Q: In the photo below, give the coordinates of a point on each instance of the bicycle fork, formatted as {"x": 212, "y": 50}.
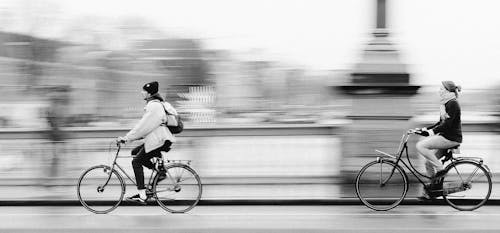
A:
{"x": 381, "y": 181}
{"x": 109, "y": 171}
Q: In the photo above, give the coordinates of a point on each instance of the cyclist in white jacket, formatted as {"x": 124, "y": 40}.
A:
{"x": 156, "y": 137}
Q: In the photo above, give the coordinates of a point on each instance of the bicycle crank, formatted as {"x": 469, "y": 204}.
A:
{"x": 456, "y": 187}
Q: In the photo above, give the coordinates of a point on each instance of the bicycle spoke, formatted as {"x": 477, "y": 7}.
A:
{"x": 167, "y": 196}
{"x": 469, "y": 188}
{"x": 476, "y": 178}
{"x": 172, "y": 178}
{"x": 380, "y": 176}
{"x": 164, "y": 190}
{"x": 182, "y": 172}
{"x": 177, "y": 198}
{"x": 472, "y": 175}
{"x": 178, "y": 176}
{"x": 100, "y": 189}
{"x": 189, "y": 178}
{"x": 458, "y": 173}
{"x": 385, "y": 191}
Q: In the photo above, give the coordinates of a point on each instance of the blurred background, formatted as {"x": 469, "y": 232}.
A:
{"x": 271, "y": 92}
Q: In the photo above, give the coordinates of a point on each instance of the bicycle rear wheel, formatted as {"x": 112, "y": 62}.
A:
{"x": 180, "y": 191}
{"x": 381, "y": 185}
{"x": 467, "y": 185}
{"x": 100, "y": 190}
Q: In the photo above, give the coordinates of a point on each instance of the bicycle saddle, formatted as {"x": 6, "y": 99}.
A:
{"x": 449, "y": 153}
{"x": 454, "y": 150}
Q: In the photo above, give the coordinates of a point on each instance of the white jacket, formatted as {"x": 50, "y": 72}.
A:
{"x": 149, "y": 127}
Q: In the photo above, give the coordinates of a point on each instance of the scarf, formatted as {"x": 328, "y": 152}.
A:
{"x": 445, "y": 97}
{"x": 156, "y": 96}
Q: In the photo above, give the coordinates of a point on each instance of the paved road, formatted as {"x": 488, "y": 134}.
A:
{"x": 253, "y": 219}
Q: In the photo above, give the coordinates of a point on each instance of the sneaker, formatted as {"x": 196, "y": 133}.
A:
{"x": 434, "y": 190}
{"x": 436, "y": 186}
{"x": 424, "y": 197}
{"x": 136, "y": 198}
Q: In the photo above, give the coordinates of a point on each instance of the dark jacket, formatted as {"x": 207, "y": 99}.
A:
{"x": 450, "y": 128}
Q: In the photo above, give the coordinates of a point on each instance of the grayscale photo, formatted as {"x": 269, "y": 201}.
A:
{"x": 249, "y": 116}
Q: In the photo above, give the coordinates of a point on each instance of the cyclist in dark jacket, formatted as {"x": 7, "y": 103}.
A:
{"x": 446, "y": 133}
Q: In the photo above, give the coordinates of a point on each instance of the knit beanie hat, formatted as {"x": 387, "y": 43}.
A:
{"x": 451, "y": 86}
{"x": 151, "y": 88}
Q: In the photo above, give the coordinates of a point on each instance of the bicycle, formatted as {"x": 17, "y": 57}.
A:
{"x": 466, "y": 184}
{"x": 101, "y": 188}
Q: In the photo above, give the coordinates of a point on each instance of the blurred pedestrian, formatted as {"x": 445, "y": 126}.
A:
{"x": 55, "y": 116}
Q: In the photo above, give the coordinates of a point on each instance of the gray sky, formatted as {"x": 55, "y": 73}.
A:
{"x": 446, "y": 39}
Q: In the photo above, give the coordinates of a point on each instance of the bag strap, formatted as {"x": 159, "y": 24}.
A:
{"x": 165, "y": 110}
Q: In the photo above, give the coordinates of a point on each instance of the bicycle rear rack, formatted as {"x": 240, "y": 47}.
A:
{"x": 477, "y": 159}
{"x": 183, "y": 161}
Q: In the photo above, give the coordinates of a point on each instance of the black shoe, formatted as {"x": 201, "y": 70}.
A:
{"x": 439, "y": 175}
{"x": 136, "y": 198}
{"x": 149, "y": 193}
{"x": 434, "y": 190}
{"x": 162, "y": 176}
{"x": 436, "y": 186}
{"x": 424, "y": 198}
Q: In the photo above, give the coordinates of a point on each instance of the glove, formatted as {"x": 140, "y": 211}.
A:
{"x": 121, "y": 140}
{"x": 423, "y": 133}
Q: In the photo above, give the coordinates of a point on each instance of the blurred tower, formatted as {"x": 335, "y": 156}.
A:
{"x": 381, "y": 92}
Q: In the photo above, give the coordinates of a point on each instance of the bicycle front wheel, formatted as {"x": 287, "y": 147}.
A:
{"x": 100, "y": 190}
{"x": 381, "y": 185}
{"x": 180, "y": 191}
{"x": 467, "y": 185}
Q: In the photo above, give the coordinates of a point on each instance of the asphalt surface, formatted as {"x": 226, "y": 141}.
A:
{"x": 250, "y": 194}
{"x": 214, "y": 219}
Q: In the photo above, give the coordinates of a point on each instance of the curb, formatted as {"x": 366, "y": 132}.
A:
{"x": 340, "y": 201}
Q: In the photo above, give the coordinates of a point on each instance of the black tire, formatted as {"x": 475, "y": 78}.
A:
{"x": 467, "y": 185}
{"x": 381, "y": 197}
{"x": 180, "y": 191}
{"x": 96, "y": 198}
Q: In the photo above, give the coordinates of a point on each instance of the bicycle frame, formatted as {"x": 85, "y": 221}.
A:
{"x": 403, "y": 147}
{"x": 113, "y": 164}
{"x": 466, "y": 171}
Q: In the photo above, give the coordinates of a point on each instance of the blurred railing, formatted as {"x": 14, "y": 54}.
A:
{"x": 196, "y": 131}
{"x": 221, "y": 155}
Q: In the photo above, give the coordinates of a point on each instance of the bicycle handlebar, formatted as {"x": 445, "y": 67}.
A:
{"x": 411, "y": 131}
{"x": 417, "y": 131}
{"x": 119, "y": 144}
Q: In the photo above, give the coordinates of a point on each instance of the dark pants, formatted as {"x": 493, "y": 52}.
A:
{"x": 141, "y": 158}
